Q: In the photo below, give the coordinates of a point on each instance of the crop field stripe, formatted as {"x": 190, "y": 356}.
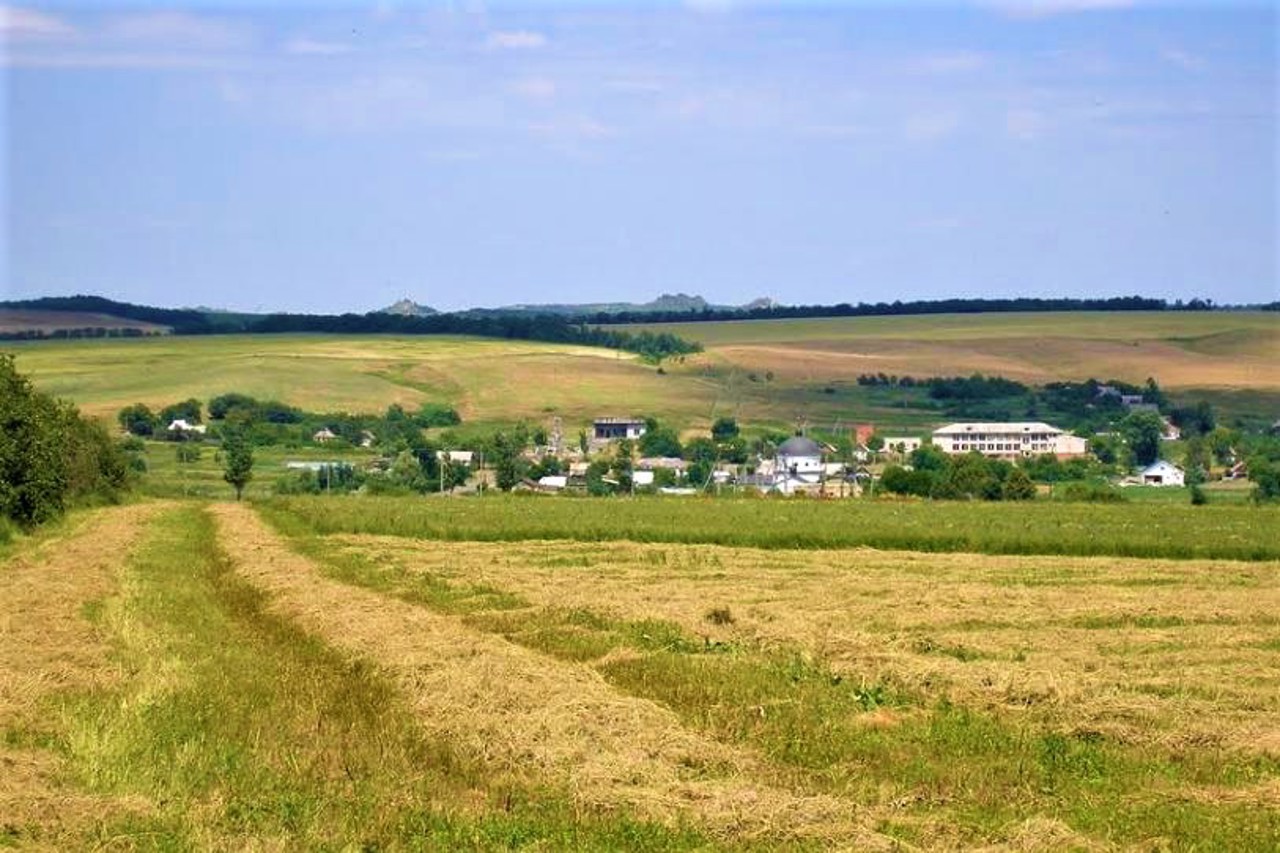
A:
{"x": 49, "y": 646}
{"x": 527, "y": 712}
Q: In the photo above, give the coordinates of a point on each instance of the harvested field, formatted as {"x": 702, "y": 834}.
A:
{"x": 1176, "y": 653}
{"x": 48, "y": 648}
{"x": 530, "y": 714}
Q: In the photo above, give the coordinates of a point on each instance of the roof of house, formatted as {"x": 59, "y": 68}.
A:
{"x": 798, "y": 445}
{"x": 967, "y": 427}
{"x": 1160, "y": 465}
{"x": 619, "y": 421}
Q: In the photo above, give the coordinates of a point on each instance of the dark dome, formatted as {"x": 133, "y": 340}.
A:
{"x": 799, "y": 446}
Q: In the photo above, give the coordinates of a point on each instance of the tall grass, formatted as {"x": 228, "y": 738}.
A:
{"x": 1138, "y": 530}
{"x": 236, "y": 730}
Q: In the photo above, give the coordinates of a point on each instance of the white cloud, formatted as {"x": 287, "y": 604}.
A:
{"x": 1048, "y": 8}
{"x": 304, "y": 46}
{"x": 515, "y": 40}
{"x": 16, "y": 23}
{"x": 935, "y": 124}
{"x": 535, "y": 88}
{"x": 178, "y": 30}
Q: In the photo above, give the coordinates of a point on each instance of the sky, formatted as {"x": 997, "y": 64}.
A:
{"x": 331, "y": 157}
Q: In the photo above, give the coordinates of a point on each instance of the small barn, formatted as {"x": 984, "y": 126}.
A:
{"x": 1163, "y": 473}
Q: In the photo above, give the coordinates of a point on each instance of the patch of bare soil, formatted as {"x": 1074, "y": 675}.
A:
{"x": 524, "y": 712}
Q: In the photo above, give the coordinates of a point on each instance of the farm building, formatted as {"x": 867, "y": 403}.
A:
{"x": 324, "y": 435}
{"x": 612, "y": 429}
{"x": 456, "y": 457}
{"x": 1008, "y": 440}
{"x": 1162, "y": 473}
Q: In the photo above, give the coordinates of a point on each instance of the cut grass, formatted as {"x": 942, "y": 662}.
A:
{"x": 236, "y": 729}
{"x": 1139, "y": 530}
{"x": 949, "y": 774}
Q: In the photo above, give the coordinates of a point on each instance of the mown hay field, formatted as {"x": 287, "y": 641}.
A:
{"x": 179, "y": 675}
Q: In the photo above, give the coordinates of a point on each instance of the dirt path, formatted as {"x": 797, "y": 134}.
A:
{"x": 47, "y": 645}
{"x": 528, "y": 713}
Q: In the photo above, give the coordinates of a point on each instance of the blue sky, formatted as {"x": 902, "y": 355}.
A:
{"x": 334, "y": 156}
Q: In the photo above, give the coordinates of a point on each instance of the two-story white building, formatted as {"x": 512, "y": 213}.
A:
{"x": 1008, "y": 440}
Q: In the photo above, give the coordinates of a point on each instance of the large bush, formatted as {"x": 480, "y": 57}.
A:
{"x": 50, "y": 456}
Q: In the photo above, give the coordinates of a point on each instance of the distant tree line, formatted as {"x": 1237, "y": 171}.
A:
{"x": 537, "y": 327}
{"x": 880, "y": 309}
{"x": 50, "y": 456}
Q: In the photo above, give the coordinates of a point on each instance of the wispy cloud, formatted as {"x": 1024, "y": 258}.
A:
{"x": 1183, "y": 59}
{"x": 17, "y": 24}
{"x": 515, "y": 40}
{"x": 535, "y": 88}
{"x": 178, "y": 30}
{"x": 954, "y": 62}
{"x": 1025, "y": 124}
{"x": 303, "y": 46}
{"x": 1049, "y": 8}
{"x": 932, "y": 125}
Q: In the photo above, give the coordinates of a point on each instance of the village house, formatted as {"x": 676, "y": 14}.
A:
{"x": 1008, "y": 440}
{"x": 456, "y": 457}
{"x": 181, "y": 425}
{"x": 1162, "y": 473}
{"x": 613, "y": 429}
{"x": 324, "y": 435}
{"x": 903, "y": 444}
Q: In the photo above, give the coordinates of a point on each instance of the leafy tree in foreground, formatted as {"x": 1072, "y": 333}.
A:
{"x": 237, "y": 461}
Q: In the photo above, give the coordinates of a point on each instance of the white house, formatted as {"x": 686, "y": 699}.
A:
{"x": 1008, "y": 440}
{"x": 612, "y": 429}
{"x": 902, "y": 443}
{"x": 456, "y": 457}
{"x": 1162, "y": 473}
{"x": 553, "y": 482}
{"x": 182, "y": 425}
{"x": 323, "y": 435}
{"x": 642, "y": 478}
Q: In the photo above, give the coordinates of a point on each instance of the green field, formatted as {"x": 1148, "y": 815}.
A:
{"x": 1138, "y": 530}
{"x": 768, "y": 373}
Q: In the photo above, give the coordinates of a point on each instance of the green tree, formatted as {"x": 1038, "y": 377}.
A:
{"x": 187, "y": 452}
{"x": 237, "y": 460}
{"x": 1265, "y": 475}
{"x": 137, "y": 419}
{"x": 1018, "y": 486}
{"x": 1142, "y": 433}
{"x": 929, "y": 457}
{"x": 508, "y": 466}
{"x": 187, "y": 410}
{"x": 724, "y": 429}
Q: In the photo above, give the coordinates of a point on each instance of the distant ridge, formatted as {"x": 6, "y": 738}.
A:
{"x": 667, "y": 303}
{"x": 408, "y": 308}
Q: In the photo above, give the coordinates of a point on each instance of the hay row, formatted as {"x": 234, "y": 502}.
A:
{"x": 523, "y": 712}
{"x": 47, "y": 646}
{"x": 1061, "y": 636}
